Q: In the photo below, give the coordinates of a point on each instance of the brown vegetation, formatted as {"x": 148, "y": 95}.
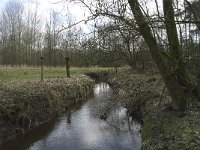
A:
{"x": 26, "y": 104}
{"x": 163, "y": 128}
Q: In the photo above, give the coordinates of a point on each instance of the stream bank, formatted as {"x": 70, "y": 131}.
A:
{"x": 25, "y": 105}
{"x": 80, "y": 128}
{"x": 148, "y": 101}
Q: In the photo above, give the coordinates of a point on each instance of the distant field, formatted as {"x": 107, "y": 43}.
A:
{"x": 10, "y": 74}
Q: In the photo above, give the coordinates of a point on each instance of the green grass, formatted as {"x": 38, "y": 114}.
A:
{"x": 10, "y": 74}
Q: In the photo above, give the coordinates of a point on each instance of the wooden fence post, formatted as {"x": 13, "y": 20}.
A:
{"x": 67, "y": 59}
{"x": 41, "y": 63}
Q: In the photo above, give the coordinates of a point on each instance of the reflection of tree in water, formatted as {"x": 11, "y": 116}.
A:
{"x": 72, "y": 109}
{"x": 24, "y": 142}
{"x": 69, "y": 117}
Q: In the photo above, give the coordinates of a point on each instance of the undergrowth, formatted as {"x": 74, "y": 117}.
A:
{"x": 163, "y": 128}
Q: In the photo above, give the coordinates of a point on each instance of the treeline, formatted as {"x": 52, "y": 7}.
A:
{"x": 25, "y": 36}
{"x": 22, "y": 40}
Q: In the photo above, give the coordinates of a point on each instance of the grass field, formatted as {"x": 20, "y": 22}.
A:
{"x": 10, "y": 74}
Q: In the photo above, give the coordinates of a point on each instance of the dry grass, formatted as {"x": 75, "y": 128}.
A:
{"x": 16, "y": 97}
{"x": 28, "y": 103}
{"x": 164, "y": 129}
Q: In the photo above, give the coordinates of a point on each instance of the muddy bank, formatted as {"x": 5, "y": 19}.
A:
{"x": 24, "y": 105}
{"x": 147, "y": 100}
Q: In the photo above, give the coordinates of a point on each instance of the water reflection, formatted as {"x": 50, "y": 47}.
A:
{"x": 69, "y": 117}
{"x": 83, "y": 130}
{"x": 101, "y": 88}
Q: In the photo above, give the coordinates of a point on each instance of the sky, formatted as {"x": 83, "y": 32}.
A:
{"x": 45, "y": 5}
{"x": 58, "y": 6}
{"x": 61, "y": 7}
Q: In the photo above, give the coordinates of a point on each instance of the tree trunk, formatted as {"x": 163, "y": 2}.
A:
{"x": 196, "y": 18}
{"x": 42, "y": 71}
{"x": 177, "y": 93}
{"x": 67, "y": 59}
{"x": 178, "y": 66}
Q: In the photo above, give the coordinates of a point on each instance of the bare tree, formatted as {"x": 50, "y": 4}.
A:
{"x": 171, "y": 67}
{"x": 11, "y": 31}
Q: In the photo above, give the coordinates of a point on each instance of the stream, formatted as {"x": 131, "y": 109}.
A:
{"x": 81, "y": 128}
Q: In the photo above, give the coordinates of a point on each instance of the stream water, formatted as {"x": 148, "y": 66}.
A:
{"x": 80, "y": 128}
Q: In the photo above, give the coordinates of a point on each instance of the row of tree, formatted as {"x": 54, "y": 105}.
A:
{"x": 25, "y": 37}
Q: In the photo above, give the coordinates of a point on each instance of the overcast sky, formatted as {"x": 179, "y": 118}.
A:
{"x": 46, "y": 5}
{"x": 76, "y": 12}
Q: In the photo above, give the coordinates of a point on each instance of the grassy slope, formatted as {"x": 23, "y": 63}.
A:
{"x": 10, "y": 74}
